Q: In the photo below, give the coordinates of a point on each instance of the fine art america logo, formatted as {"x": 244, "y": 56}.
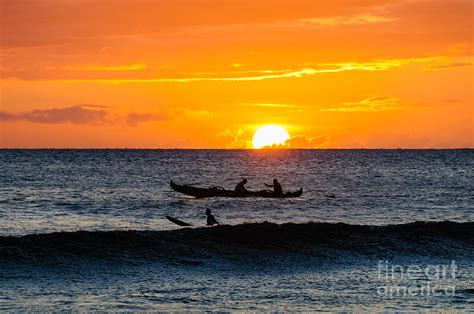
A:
{"x": 416, "y": 280}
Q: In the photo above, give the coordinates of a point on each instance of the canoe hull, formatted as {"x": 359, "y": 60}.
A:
{"x": 219, "y": 192}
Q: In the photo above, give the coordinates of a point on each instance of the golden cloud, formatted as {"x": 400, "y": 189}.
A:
{"x": 346, "y": 20}
{"x": 373, "y": 104}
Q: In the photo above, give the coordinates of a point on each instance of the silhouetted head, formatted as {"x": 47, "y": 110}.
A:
{"x": 208, "y": 211}
{"x": 275, "y": 181}
{"x": 244, "y": 180}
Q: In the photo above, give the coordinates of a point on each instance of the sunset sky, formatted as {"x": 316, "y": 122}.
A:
{"x": 208, "y": 74}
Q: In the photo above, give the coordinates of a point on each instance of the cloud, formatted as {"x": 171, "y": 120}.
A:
{"x": 81, "y": 21}
{"x": 90, "y": 114}
{"x": 311, "y": 69}
{"x": 301, "y": 141}
{"x": 454, "y": 65}
{"x": 373, "y": 104}
{"x": 134, "y": 118}
{"x": 374, "y": 65}
{"x": 230, "y": 139}
{"x": 103, "y": 68}
{"x": 84, "y": 73}
{"x": 345, "y": 20}
{"x": 5, "y": 116}
{"x": 270, "y": 74}
{"x": 79, "y": 114}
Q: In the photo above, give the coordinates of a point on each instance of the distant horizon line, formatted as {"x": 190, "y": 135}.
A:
{"x": 227, "y": 149}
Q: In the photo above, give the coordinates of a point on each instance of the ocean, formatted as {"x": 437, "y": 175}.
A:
{"x": 373, "y": 230}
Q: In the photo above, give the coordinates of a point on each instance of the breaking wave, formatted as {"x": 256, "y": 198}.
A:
{"x": 243, "y": 242}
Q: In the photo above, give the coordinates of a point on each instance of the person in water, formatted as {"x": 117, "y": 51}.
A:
{"x": 240, "y": 187}
{"x": 277, "y": 189}
{"x": 211, "y": 220}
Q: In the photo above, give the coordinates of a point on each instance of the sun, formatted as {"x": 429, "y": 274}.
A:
{"x": 269, "y": 135}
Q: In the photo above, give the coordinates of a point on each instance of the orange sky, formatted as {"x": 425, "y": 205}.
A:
{"x": 207, "y": 74}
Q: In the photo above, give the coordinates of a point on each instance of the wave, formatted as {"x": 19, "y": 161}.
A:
{"x": 243, "y": 242}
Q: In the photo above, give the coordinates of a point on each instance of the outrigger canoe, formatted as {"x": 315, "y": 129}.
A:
{"x": 221, "y": 192}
